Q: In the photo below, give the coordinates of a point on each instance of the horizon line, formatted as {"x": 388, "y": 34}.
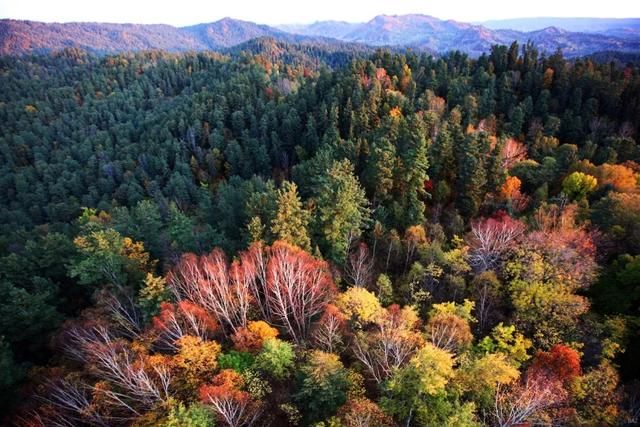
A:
{"x": 318, "y": 21}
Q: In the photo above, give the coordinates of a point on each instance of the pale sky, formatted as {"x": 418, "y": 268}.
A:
{"x": 273, "y": 12}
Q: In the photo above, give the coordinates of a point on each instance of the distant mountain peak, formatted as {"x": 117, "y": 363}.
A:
{"x": 552, "y": 30}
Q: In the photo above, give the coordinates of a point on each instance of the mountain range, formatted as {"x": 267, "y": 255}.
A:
{"x": 576, "y": 37}
{"x": 580, "y": 25}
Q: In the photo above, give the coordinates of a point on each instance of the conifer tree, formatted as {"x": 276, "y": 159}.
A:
{"x": 471, "y": 178}
{"x": 342, "y": 210}
{"x": 292, "y": 220}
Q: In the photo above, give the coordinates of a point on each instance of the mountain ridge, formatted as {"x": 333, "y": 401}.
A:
{"x": 416, "y": 31}
{"x": 580, "y": 25}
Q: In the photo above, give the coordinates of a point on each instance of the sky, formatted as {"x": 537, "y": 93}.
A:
{"x": 274, "y": 12}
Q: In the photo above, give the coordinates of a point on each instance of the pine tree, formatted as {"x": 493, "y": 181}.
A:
{"x": 292, "y": 220}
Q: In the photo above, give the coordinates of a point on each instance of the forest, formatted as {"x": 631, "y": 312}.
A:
{"x": 288, "y": 235}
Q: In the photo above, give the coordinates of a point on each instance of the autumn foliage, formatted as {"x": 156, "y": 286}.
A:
{"x": 393, "y": 240}
{"x": 251, "y": 337}
{"x": 185, "y": 318}
{"x": 363, "y": 413}
{"x": 491, "y": 238}
{"x": 561, "y": 363}
{"x": 284, "y": 282}
{"x": 210, "y": 282}
{"x": 233, "y": 406}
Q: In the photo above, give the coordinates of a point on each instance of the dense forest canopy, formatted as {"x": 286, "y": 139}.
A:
{"x": 299, "y": 235}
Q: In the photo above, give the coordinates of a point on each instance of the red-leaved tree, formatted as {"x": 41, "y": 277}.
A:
{"x": 543, "y": 390}
{"x": 561, "y": 363}
{"x": 286, "y": 284}
{"x": 569, "y": 248}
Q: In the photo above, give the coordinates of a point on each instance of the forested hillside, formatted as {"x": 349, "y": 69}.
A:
{"x": 307, "y": 236}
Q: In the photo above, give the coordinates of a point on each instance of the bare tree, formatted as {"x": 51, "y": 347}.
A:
{"x": 359, "y": 268}
{"x": 142, "y": 384}
{"x": 254, "y": 262}
{"x": 448, "y": 331}
{"x": 176, "y": 321}
{"x": 327, "y": 332}
{"x": 491, "y": 238}
{"x": 517, "y": 404}
{"x": 486, "y": 291}
{"x": 513, "y": 152}
{"x": 235, "y": 412}
{"x": 124, "y": 313}
{"x": 208, "y": 282}
{"x": 234, "y": 406}
{"x": 298, "y": 288}
{"x": 72, "y": 404}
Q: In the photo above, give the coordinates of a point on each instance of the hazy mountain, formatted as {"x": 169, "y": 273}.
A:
{"x": 404, "y": 30}
{"x": 18, "y": 37}
{"x": 575, "y": 44}
{"x": 391, "y": 30}
{"x": 336, "y": 29}
{"x": 229, "y": 32}
{"x": 414, "y": 31}
{"x": 581, "y": 25}
{"x": 426, "y": 32}
{"x": 28, "y": 36}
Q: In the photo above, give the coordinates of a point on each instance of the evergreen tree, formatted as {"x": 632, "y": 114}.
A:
{"x": 342, "y": 210}
{"x": 291, "y": 220}
{"x": 416, "y": 164}
{"x": 443, "y": 164}
{"x": 380, "y": 170}
{"x": 471, "y": 178}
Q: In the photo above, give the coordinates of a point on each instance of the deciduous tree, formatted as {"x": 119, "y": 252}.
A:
{"x": 276, "y": 358}
{"x": 298, "y": 288}
{"x": 176, "y": 321}
{"x": 517, "y": 404}
{"x": 359, "y": 306}
{"x": 578, "y": 185}
{"x": 359, "y": 266}
{"x": 390, "y": 345}
{"x": 209, "y": 281}
{"x": 233, "y": 406}
{"x": 491, "y": 238}
{"x": 328, "y": 332}
{"x": 251, "y": 337}
{"x": 363, "y": 413}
